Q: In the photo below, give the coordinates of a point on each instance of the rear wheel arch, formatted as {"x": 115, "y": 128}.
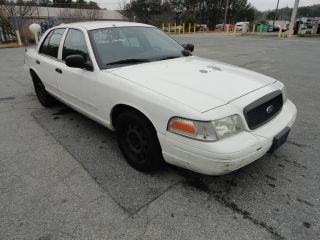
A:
{"x": 44, "y": 97}
{"x": 34, "y": 74}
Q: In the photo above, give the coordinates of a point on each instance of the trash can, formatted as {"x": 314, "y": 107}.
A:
{"x": 261, "y": 27}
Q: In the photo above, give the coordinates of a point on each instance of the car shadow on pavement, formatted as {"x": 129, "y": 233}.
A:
{"x": 260, "y": 191}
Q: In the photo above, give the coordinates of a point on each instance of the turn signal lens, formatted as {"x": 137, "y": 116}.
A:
{"x": 183, "y": 126}
{"x": 194, "y": 129}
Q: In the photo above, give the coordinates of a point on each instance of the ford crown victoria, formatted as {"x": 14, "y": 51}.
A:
{"x": 165, "y": 104}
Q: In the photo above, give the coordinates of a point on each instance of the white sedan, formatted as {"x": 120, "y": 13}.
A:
{"x": 163, "y": 103}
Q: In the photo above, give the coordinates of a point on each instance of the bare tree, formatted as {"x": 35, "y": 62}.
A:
{"x": 14, "y": 16}
{"x": 92, "y": 14}
{"x": 78, "y": 14}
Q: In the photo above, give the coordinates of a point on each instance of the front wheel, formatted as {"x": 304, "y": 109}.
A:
{"x": 138, "y": 141}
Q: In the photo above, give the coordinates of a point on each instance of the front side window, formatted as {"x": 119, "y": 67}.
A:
{"x": 54, "y": 43}
{"x": 74, "y": 44}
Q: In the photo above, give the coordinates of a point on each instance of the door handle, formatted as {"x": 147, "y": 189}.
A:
{"x": 58, "y": 70}
{"x": 37, "y": 61}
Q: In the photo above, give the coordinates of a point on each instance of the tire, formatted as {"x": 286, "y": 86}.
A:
{"x": 138, "y": 141}
{"x": 44, "y": 97}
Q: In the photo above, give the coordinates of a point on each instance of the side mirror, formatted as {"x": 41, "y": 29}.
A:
{"x": 78, "y": 61}
{"x": 189, "y": 47}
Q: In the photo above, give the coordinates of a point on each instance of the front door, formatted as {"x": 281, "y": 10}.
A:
{"x": 77, "y": 85}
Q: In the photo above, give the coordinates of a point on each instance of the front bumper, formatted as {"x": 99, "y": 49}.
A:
{"x": 226, "y": 155}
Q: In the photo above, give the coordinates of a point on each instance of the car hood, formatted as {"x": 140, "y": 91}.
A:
{"x": 199, "y": 83}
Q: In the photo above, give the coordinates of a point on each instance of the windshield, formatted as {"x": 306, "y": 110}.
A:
{"x": 121, "y": 46}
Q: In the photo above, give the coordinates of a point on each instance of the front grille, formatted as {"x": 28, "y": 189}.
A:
{"x": 263, "y": 110}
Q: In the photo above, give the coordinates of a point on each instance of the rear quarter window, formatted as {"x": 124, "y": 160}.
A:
{"x": 43, "y": 48}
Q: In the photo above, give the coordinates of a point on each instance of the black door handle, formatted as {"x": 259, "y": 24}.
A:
{"x": 37, "y": 61}
{"x": 58, "y": 70}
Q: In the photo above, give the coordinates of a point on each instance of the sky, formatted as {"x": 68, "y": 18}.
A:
{"x": 259, "y": 4}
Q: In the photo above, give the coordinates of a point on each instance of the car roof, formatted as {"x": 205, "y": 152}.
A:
{"x": 104, "y": 24}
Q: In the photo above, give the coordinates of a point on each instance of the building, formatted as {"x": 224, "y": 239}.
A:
{"x": 69, "y": 14}
{"x": 49, "y": 16}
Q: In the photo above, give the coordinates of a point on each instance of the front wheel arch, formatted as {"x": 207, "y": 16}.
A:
{"x": 119, "y": 108}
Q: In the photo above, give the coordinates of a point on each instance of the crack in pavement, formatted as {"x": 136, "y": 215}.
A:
{"x": 4, "y": 99}
{"x": 248, "y": 216}
{"x": 154, "y": 199}
{"x": 223, "y": 199}
{"x": 298, "y": 144}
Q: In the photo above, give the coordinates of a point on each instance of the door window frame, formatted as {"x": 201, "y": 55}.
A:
{"x": 63, "y": 39}
{"x": 49, "y": 35}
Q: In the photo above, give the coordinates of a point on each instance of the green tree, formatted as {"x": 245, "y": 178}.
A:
{"x": 210, "y": 12}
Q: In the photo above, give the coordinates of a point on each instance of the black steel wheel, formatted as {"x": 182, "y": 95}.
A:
{"x": 138, "y": 141}
{"x": 44, "y": 97}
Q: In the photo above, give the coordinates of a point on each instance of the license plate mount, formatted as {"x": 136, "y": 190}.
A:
{"x": 279, "y": 139}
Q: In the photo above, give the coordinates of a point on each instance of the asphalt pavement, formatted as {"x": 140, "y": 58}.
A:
{"x": 62, "y": 175}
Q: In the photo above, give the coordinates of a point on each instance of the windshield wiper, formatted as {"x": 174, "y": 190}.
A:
{"x": 168, "y": 57}
{"x": 128, "y": 61}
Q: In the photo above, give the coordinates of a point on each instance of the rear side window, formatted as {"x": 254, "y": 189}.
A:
{"x": 74, "y": 44}
{"x": 51, "y": 44}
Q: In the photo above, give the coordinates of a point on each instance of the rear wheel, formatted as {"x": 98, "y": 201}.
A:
{"x": 44, "y": 97}
{"x": 138, "y": 141}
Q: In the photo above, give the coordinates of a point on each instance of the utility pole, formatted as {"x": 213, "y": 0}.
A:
{"x": 293, "y": 17}
{"x": 275, "y": 13}
{"x": 225, "y": 15}
{"x": 47, "y": 9}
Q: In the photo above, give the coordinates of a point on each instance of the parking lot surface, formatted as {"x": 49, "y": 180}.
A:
{"x": 62, "y": 175}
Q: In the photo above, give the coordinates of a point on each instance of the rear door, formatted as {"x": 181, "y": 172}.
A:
{"x": 47, "y": 59}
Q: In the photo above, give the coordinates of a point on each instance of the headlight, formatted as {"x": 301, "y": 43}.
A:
{"x": 284, "y": 94}
{"x": 228, "y": 126}
{"x": 206, "y": 131}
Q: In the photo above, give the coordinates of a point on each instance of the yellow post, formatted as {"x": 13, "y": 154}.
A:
{"x": 169, "y": 27}
{"x": 35, "y": 34}
{"x": 189, "y": 27}
{"x": 175, "y": 28}
{"x": 280, "y": 32}
{"x": 179, "y": 29}
{"x": 18, "y": 38}
{"x": 227, "y": 30}
{"x": 183, "y": 29}
{"x": 254, "y": 28}
{"x": 194, "y": 27}
{"x": 162, "y": 27}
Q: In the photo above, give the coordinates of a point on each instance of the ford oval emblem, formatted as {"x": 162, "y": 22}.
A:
{"x": 270, "y": 109}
